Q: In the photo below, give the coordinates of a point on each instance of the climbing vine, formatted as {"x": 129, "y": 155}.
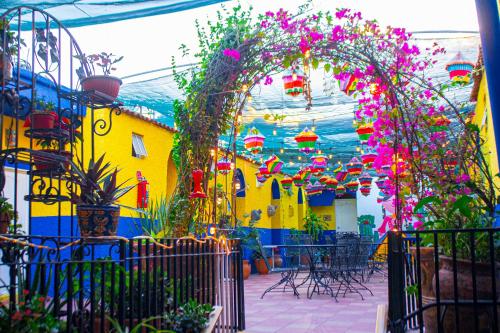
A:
{"x": 238, "y": 52}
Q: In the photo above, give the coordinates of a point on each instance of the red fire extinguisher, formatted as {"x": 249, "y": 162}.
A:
{"x": 142, "y": 191}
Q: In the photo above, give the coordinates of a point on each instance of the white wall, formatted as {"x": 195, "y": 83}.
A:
{"x": 369, "y": 206}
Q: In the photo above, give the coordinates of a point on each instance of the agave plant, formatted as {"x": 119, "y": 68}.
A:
{"x": 97, "y": 183}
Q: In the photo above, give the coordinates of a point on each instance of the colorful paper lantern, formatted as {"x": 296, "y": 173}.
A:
{"x": 274, "y": 164}
{"x": 380, "y": 182}
{"x": 354, "y": 167}
{"x": 297, "y": 180}
{"x": 293, "y": 83}
{"x": 460, "y": 69}
{"x": 324, "y": 179}
{"x": 347, "y": 84}
{"x": 368, "y": 158}
{"x": 313, "y": 189}
{"x": 342, "y": 174}
{"x": 254, "y": 141}
{"x": 365, "y": 131}
{"x": 306, "y": 140}
{"x": 365, "y": 180}
{"x": 286, "y": 182}
{"x": 305, "y": 173}
{"x": 331, "y": 184}
{"x": 317, "y": 170}
{"x": 198, "y": 192}
{"x": 319, "y": 160}
{"x": 365, "y": 191}
{"x": 223, "y": 166}
{"x": 352, "y": 185}
{"x": 439, "y": 123}
{"x": 264, "y": 171}
{"x": 340, "y": 191}
{"x": 261, "y": 178}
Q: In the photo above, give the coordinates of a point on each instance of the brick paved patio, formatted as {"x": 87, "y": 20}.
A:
{"x": 284, "y": 313}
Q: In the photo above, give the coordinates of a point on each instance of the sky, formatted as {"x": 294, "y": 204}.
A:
{"x": 149, "y": 43}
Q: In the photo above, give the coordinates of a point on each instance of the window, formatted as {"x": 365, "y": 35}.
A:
{"x": 138, "y": 148}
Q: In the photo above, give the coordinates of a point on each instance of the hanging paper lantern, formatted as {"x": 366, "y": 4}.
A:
{"x": 460, "y": 69}
{"x": 264, "y": 171}
{"x": 341, "y": 175}
{"x": 365, "y": 180}
{"x": 313, "y": 189}
{"x": 365, "y": 191}
{"x": 261, "y": 178}
{"x": 368, "y": 158}
{"x": 198, "y": 192}
{"x": 286, "y": 182}
{"x": 306, "y": 140}
{"x": 305, "y": 173}
{"x": 352, "y": 185}
{"x": 273, "y": 164}
{"x": 317, "y": 170}
{"x": 324, "y": 179}
{"x": 223, "y": 166}
{"x": 381, "y": 183}
{"x": 293, "y": 82}
{"x": 354, "y": 167}
{"x": 254, "y": 141}
{"x": 347, "y": 84}
{"x": 364, "y": 131}
{"x": 340, "y": 191}
{"x": 439, "y": 123}
{"x": 331, "y": 184}
{"x": 297, "y": 180}
{"x": 319, "y": 160}
{"x": 385, "y": 169}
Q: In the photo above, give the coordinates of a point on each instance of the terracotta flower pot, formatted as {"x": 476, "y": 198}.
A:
{"x": 42, "y": 120}
{"x": 465, "y": 292}
{"x": 45, "y": 163}
{"x": 97, "y": 221}
{"x": 278, "y": 261}
{"x": 246, "y": 269}
{"x": 104, "y": 84}
{"x": 261, "y": 266}
{"x": 428, "y": 295}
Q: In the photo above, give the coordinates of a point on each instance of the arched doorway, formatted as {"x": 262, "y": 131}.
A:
{"x": 240, "y": 188}
{"x": 275, "y": 207}
{"x": 300, "y": 209}
{"x": 171, "y": 176}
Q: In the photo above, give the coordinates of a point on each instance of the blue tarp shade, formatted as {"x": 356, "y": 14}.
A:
{"x": 76, "y": 13}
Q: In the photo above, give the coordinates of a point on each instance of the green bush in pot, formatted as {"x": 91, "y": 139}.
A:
{"x": 98, "y": 192}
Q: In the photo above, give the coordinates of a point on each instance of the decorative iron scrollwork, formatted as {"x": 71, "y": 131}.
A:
{"x": 101, "y": 126}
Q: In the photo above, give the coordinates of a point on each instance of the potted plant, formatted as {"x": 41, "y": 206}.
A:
{"x": 189, "y": 318}
{"x": 7, "y": 213}
{"x": 45, "y": 162}
{"x": 43, "y": 116}
{"x": 9, "y": 39}
{"x": 314, "y": 225}
{"x": 105, "y": 84}
{"x": 98, "y": 192}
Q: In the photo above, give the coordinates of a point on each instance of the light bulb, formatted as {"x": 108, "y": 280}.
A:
{"x": 212, "y": 152}
{"x": 308, "y": 53}
{"x": 330, "y": 156}
{"x": 232, "y": 166}
{"x": 212, "y": 230}
{"x": 294, "y": 76}
{"x": 237, "y": 186}
{"x": 313, "y": 128}
{"x": 275, "y": 132}
{"x": 299, "y": 158}
{"x": 219, "y": 201}
{"x": 282, "y": 150}
{"x": 244, "y": 88}
{"x": 249, "y": 99}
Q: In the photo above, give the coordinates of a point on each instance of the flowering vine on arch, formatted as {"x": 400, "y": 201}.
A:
{"x": 391, "y": 86}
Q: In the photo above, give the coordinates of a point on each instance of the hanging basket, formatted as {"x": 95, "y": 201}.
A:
{"x": 107, "y": 87}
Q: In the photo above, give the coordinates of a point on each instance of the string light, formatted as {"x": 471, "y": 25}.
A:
{"x": 212, "y": 230}
{"x": 358, "y": 149}
{"x": 219, "y": 201}
{"x": 244, "y": 88}
{"x": 212, "y": 152}
{"x": 232, "y": 165}
{"x": 282, "y": 150}
{"x": 249, "y": 98}
{"x": 313, "y": 127}
{"x": 330, "y": 156}
{"x": 275, "y": 132}
{"x": 299, "y": 158}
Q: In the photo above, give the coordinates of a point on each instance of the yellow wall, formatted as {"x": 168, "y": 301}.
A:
{"x": 483, "y": 119}
{"x": 323, "y": 211}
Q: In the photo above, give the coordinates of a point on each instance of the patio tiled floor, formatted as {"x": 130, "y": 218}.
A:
{"x": 284, "y": 313}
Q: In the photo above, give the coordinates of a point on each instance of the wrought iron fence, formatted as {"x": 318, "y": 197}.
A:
{"x": 444, "y": 280}
{"x": 84, "y": 284}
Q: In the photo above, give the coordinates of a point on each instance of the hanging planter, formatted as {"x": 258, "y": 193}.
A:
{"x": 293, "y": 83}
{"x": 460, "y": 69}
{"x": 286, "y": 182}
{"x": 45, "y": 161}
{"x": 365, "y": 191}
{"x": 273, "y": 164}
{"x": 306, "y": 140}
{"x": 354, "y": 167}
{"x": 367, "y": 159}
{"x": 352, "y": 186}
{"x": 254, "y": 141}
{"x": 223, "y": 166}
{"x": 365, "y": 180}
{"x": 365, "y": 131}
{"x": 340, "y": 191}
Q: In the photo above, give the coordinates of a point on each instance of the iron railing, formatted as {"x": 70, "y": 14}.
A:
{"x": 444, "y": 280}
{"x": 83, "y": 284}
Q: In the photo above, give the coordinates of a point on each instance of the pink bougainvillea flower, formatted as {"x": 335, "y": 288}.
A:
{"x": 232, "y": 53}
{"x": 268, "y": 81}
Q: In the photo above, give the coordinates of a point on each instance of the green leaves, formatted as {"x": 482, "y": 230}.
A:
{"x": 427, "y": 201}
